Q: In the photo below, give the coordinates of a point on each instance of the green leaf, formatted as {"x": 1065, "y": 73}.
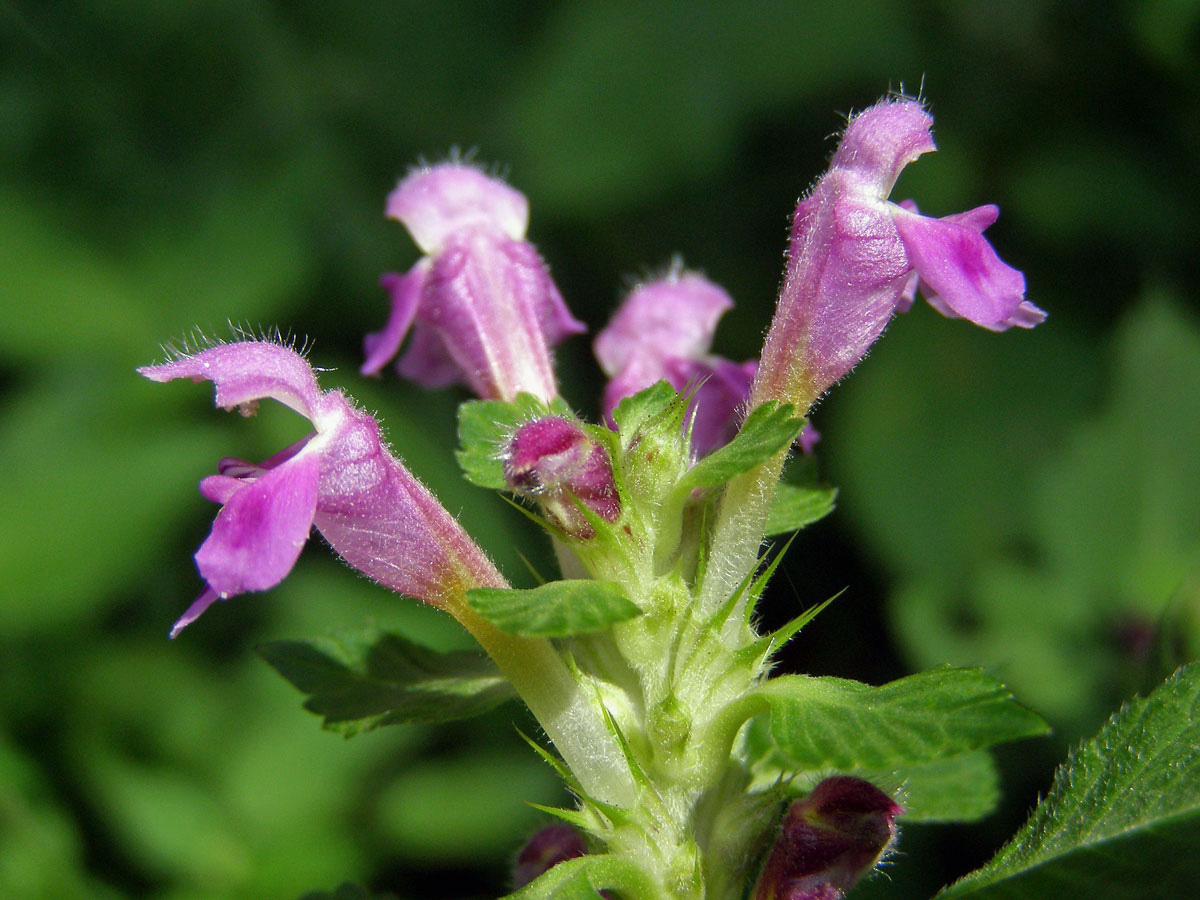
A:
{"x": 1123, "y": 817}
{"x": 961, "y": 788}
{"x": 769, "y": 429}
{"x": 364, "y": 681}
{"x": 485, "y": 426}
{"x": 820, "y": 723}
{"x": 795, "y": 506}
{"x": 556, "y": 609}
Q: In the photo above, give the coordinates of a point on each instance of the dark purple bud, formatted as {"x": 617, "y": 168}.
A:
{"x": 556, "y": 463}
{"x": 828, "y": 841}
{"x": 546, "y": 849}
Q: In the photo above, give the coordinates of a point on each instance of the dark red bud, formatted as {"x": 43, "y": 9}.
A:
{"x": 829, "y": 840}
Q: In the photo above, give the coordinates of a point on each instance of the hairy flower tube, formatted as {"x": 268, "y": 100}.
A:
{"x": 853, "y": 256}
{"x": 382, "y": 521}
{"x": 480, "y": 305}
{"x": 341, "y": 478}
{"x": 663, "y": 331}
{"x": 828, "y": 841}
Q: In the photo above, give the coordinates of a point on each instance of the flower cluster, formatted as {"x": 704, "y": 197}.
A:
{"x": 643, "y": 665}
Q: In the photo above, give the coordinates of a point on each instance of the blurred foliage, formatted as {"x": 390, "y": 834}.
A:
{"x": 1026, "y": 502}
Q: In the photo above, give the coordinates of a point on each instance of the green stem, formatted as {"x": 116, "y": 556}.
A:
{"x": 561, "y": 706}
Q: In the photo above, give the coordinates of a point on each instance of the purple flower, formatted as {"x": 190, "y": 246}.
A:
{"x": 854, "y": 258}
{"x": 664, "y": 330}
{"x": 556, "y": 463}
{"x": 828, "y": 841}
{"x": 480, "y": 304}
{"x": 341, "y": 478}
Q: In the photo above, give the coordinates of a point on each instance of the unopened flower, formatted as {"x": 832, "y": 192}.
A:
{"x": 828, "y": 841}
{"x": 547, "y": 848}
{"x": 480, "y": 304}
{"x": 663, "y": 331}
{"x": 557, "y": 464}
{"x": 853, "y": 256}
{"x": 340, "y": 478}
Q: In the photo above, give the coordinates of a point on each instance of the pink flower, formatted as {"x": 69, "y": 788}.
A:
{"x": 480, "y": 304}
{"x": 854, "y": 256}
{"x": 340, "y": 478}
{"x": 663, "y": 331}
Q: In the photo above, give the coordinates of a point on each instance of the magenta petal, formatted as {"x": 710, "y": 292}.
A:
{"x": 675, "y": 316}
{"x": 960, "y": 266}
{"x": 206, "y": 599}
{"x": 245, "y": 372}
{"x": 882, "y": 140}
{"x": 380, "y": 347}
{"x": 436, "y": 202}
{"x": 258, "y": 534}
{"x": 220, "y": 488}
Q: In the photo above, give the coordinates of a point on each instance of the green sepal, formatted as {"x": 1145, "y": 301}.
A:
{"x": 362, "y": 681}
{"x": 555, "y": 609}
{"x": 649, "y": 408}
{"x": 833, "y": 723}
{"x": 768, "y": 430}
{"x": 771, "y": 643}
{"x": 1122, "y": 819}
{"x": 485, "y": 426}
{"x": 572, "y": 817}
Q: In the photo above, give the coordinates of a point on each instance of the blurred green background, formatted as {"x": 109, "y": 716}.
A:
{"x": 1028, "y": 502}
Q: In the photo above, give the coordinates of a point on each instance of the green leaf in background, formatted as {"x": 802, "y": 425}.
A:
{"x": 796, "y": 506}
{"x": 1099, "y": 577}
{"x": 820, "y": 723}
{"x": 767, "y": 430}
{"x": 1123, "y": 817}
{"x": 373, "y": 679}
{"x": 484, "y": 427}
{"x": 555, "y": 609}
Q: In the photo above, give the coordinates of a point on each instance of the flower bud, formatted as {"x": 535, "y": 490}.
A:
{"x": 556, "y": 463}
{"x": 546, "y": 849}
{"x": 828, "y": 841}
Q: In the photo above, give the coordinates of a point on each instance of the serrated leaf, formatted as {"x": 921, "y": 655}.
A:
{"x": 820, "y": 723}
{"x": 556, "y": 609}
{"x": 484, "y": 427}
{"x": 795, "y": 506}
{"x": 1123, "y": 817}
{"x": 768, "y": 429}
{"x": 365, "y": 681}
